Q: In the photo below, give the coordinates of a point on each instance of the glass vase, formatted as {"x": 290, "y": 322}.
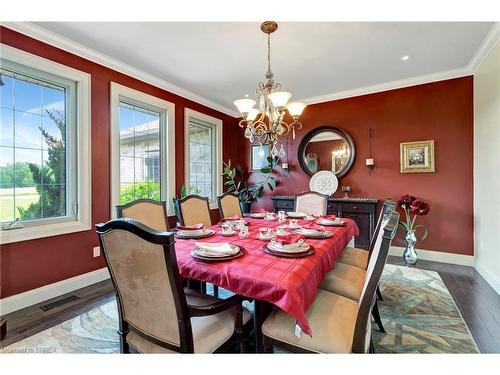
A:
{"x": 410, "y": 255}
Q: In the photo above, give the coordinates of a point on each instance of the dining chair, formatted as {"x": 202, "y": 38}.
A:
{"x": 347, "y": 280}
{"x": 156, "y": 314}
{"x": 193, "y": 209}
{"x": 229, "y": 205}
{"x": 339, "y": 324}
{"x": 311, "y": 202}
{"x": 359, "y": 257}
{"x": 147, "y": 211}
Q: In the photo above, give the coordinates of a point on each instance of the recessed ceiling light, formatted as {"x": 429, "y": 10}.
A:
{"x": 246, "y": 95}
{"x": 405, "y": 57}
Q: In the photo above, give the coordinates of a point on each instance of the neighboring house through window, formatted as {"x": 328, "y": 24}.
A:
{"x": 203, "y": 154}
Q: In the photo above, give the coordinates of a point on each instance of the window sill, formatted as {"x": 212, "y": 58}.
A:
{"x": 42, "y": 231}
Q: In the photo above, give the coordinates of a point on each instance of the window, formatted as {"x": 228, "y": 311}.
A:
{"x": 203, "y": 154}
{"x": 41, "y": 133}
{"x": 143, "y": 158}
{"x": 140, "y": 145}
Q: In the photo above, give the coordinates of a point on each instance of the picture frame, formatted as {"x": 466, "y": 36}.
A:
{"x": 417, "y": 157}
{"x": 258, "y": 156}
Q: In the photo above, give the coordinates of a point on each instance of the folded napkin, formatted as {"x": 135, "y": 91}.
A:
{"x": 259, "y": 211}
{"x": 219, "y": 248}
{"x": 327, "y": 217}
{"x": 288, "y": 239}
{"x": 314, "y": 226}
{"x": 190, "y": 227}
{"x": 235, "y": 217}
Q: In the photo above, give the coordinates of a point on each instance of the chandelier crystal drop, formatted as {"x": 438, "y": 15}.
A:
{"x": 266, "y": 123}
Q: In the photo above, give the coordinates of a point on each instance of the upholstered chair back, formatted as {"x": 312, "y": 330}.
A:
{"x": 362, "y": 332}
{"x": 311, "y": 203}
{"x": 193, "y": 209}
{"x": 144, "y": 272}
{"x": 147, "y": 211}
{"x": 229, "y": 205}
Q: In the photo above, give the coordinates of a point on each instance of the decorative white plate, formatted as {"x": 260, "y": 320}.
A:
{"x": 324, "y": 182}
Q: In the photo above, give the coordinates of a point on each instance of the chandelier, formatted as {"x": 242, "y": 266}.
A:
{"x": 273, "y": 106}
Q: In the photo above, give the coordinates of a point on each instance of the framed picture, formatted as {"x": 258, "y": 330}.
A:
{"x": 312, "y": 162}
{"x": 259, "y": 154}
{"x": 417, "y": 157}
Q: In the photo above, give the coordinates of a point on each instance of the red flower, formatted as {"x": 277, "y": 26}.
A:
{"x": 419, "y": 208}
{"x": 406, "y": 201}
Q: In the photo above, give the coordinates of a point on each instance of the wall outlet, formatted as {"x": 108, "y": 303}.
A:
{"x": 96, "y": 251}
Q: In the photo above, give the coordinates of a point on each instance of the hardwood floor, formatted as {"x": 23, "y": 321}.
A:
{"x": 478, "y": 303}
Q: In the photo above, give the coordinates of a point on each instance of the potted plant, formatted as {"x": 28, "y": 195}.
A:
{"x": 412, "y": 207}
{"x": 236, "y": 182}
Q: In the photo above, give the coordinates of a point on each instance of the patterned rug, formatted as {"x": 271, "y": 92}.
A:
{"x": 418, "y": 312}
{"x": 419, "y": 315}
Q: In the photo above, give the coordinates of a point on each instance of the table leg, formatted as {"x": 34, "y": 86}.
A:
{"x": 262, "y": 310}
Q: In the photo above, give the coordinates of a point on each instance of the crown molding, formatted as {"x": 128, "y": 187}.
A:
{"x": 386, "y": 86}
{"x": 56, "y": 40}
{"x": 489, "y": 42}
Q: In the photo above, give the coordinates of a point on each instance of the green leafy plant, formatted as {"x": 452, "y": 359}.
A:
{"x": 50, "y": 178}
{"x": 257, "y": 189}
{"x": 146, "y": 189}
{"x": 236, "y": 182}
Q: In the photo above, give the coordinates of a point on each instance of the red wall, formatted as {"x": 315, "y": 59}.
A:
{"x": 31, "y": 264}
{"x": 442, "y": 111}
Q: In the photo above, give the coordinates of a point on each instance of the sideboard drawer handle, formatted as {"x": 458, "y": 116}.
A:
{"x": 354, "y": 207}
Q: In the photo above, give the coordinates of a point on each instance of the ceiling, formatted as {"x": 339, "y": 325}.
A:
{"x": 222, "y": 61}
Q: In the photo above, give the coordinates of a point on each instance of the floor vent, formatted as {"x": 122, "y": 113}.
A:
{"x": 59, "y": 302}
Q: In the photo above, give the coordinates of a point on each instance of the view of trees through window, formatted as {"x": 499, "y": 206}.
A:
{"x": 33, "y": 150}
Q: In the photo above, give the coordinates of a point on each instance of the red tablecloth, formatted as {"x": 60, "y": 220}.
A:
{"x": 289, "y": 283}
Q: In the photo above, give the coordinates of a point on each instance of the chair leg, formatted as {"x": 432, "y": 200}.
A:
{"x": 376, "y": 316}
{"x": 239, "y": 329}
{"x": 371, "y": 350}
{"x": 216, "y": 291}
{"x": 379, "y": 294}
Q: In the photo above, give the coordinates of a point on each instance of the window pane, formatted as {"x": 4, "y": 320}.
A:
{"x": 27, "y": 130}
{"x": 6, "y": 93}
{"x": 33, "y": 167}
{"x": 140, "y": 162}
{"x": 201, "y": 153}
{"x": 27, "y": 96}
{"x": 6, "y": 184}
{"x": 6, "y": 127}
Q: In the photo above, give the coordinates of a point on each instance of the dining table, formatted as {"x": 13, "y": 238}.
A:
{"x": 289, "y": 283}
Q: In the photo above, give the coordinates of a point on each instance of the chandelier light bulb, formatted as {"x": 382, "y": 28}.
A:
{"x": 279, "y": 98}
{"x": 244, "y": 105}
{"x": 296, "y": 108}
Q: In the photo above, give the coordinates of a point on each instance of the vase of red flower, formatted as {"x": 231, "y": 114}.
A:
{"x": 412, "y": 207}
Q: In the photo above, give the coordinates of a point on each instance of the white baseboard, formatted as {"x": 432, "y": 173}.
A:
{"x": 493, "y": 280}
{"x": 437, "y": 256}
{"x": 44, "y": 293}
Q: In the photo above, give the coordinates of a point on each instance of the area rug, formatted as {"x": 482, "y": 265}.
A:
{"x": 419, "y": 315}
{"x": 418, "y": 312}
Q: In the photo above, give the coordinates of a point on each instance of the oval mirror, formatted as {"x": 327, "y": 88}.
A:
{"x": 326, "y": 148}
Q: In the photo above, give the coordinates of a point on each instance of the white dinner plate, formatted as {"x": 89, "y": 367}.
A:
{"x": 290, "y": 248}
{"x": 298, "y": 215}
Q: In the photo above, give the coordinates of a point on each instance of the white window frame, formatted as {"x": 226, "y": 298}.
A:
{"x": 167, "y": 143}
{"x": 192, "y": 114}
{"x": 83, "y": 219}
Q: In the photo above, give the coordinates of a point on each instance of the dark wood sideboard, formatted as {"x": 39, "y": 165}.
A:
{"x": 362, "y": 210}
